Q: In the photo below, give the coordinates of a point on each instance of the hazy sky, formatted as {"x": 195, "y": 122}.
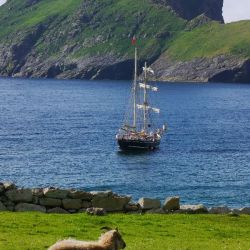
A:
{"x": 234, "y": 10}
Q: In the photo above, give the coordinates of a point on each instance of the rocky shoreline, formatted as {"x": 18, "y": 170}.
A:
{"x": 65, "y": 201}
{"x": 215, "y": 69}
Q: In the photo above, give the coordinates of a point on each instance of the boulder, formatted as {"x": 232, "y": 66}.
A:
{"x": 233, "y": 214}
{"x": 1, "y": 188}
{"x": 50, "y": 202}
{"x": 35, "y": 200}
{"x": 37, "y": 192}
{"x": 101, "y": 194}
{"x": 111, "y": 203}
{"x": 9, "y": 205}
{"x": 147, "y": 203}
{"x": 72, "y": 203}
{"x": 74, "y": 194}
{"x": 219, "y": 210}
{"x": 55, "y": 193}
{"x": 23, "y": 207}
{"x": 72, "y": 211}
{"x": 245, "y": 210}
{"x": 2, "y": 207}
{"x": 235, "y": 211}
{"x": 132, "y": 207}
{"x": 57, "y": 210}
{"x": 9, "y": 185}
{"x": 172, "y": 203}
{"x": 86, "y": 204}
{"x": 20, "y": 195}
{"x": 96, "y": 211}
{"x": 3, "y": 198}
{"x": 192, "y": 209}
{"x": 83, "y": 210}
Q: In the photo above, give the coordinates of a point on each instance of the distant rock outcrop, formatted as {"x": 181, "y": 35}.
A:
{"x": 215, "y": 69}
{"x": 190, "y": 9}
{"x": 83, "y": 42}
{"x": 90, "y": 39}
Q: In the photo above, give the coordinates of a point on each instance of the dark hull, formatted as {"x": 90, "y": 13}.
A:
{"x": 126, "y": 144}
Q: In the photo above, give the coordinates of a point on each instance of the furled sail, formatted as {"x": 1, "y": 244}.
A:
{"x": 146, "y": 107}
{"x": 148, "y": 69}
{"x": 156, "y": 110}
{"x": 143, "y": 85}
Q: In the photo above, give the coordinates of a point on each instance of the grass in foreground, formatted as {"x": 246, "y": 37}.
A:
{"x": 26, "y": 231}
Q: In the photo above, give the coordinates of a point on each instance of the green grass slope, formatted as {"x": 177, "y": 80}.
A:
{"x": 35, "y": 231}
{"x": 92, "y": 38}
{"x": 93, "y": 27}
{"x": 19, "y": 16}
{"x": 211, "y": 40}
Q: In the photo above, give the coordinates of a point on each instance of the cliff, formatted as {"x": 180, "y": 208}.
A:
{"x": 81, "y": 39}
{"x": 212, "y": 52}
{"x": 189, "y": 9}
{"x": 90, "y": 39}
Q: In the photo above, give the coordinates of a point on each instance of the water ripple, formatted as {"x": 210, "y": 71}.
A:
{"x": 61, "y": 133}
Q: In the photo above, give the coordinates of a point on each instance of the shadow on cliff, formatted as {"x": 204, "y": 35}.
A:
{"x": 120, "y": 71}
{"x": 236, "y": 75}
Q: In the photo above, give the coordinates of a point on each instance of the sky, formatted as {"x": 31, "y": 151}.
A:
{"x": 233, "y": 10}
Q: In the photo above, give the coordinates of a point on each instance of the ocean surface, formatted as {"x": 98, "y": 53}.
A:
{"x": 62, "y": 133}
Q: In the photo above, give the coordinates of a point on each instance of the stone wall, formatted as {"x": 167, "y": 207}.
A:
{"x": 55, "y": 200}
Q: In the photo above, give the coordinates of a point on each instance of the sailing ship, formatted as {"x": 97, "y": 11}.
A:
{"x": 137, "y": 132}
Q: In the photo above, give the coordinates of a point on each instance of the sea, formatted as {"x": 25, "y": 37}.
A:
{"x": 61, "y": 133}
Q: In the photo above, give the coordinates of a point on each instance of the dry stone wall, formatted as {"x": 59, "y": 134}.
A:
{"x": 55, "y": 200}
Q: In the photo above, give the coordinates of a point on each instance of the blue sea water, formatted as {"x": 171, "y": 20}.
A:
{"x": 62, "y": 133}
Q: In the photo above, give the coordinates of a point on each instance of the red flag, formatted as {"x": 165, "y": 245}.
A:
{"x": 133, "y": 40}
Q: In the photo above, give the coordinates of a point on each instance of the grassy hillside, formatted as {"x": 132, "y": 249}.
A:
{"x": 91, "y": 39}
{"x": 34, "y": 231}
{"x": 211, "y": 40}
{"x": 18, "y": 15}
{"x": 92, "y": 27}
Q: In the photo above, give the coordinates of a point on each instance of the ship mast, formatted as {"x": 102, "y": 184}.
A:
{"x": 135, "y": 89}
{"x": 145, "y": 102}
{"x": 145, "y": 105}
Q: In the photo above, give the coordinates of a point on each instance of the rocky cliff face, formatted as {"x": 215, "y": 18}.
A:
{"x": 190, "y": 9}
{"x": 81, "y": 39}
{"x": 216, "y": 69}
{"x": 91, "y": 39}
{"x": 53, "y": 47}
